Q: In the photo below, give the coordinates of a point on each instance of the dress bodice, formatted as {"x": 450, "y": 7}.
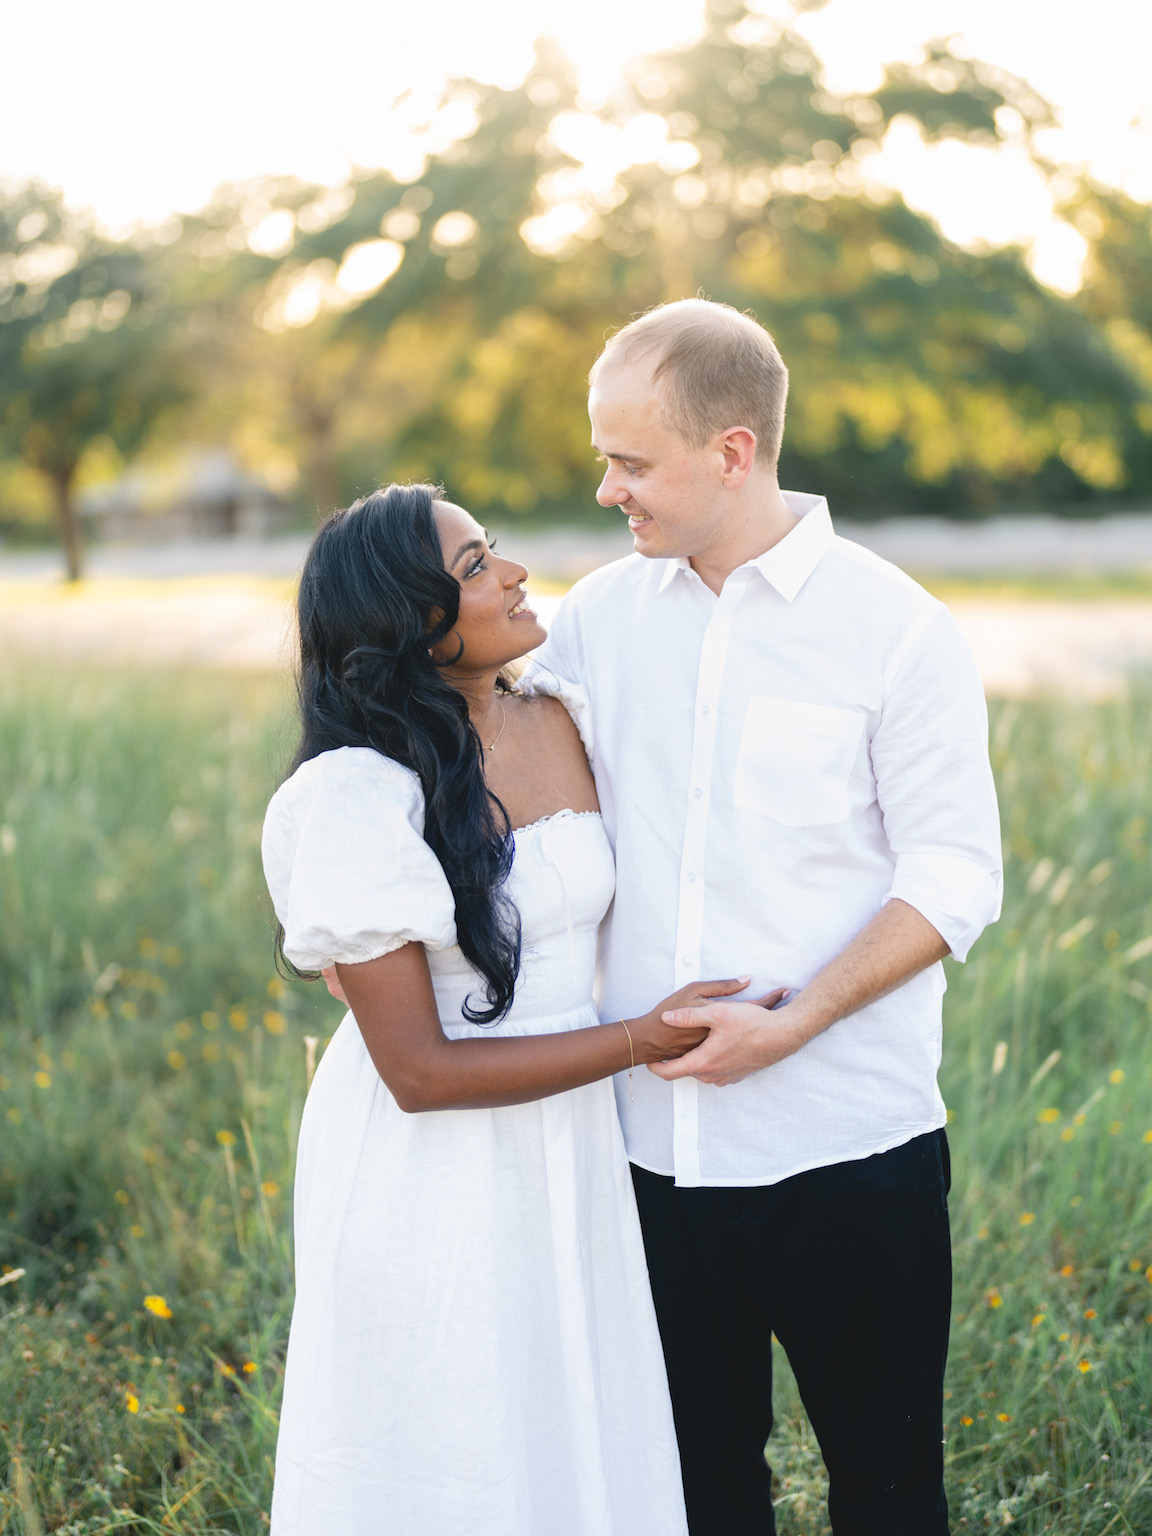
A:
{"x": 561, "y": 882}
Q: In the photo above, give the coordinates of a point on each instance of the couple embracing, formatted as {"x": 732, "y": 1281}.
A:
{"x": 544, "y": 1242}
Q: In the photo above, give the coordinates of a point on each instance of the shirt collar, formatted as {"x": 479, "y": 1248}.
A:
{"x": 790, "y": 562}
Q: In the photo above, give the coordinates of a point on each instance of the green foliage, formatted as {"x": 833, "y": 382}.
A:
{"x": 152, "y": 1070}
{"x": 335, "y": 338}
{"x": 83, "y": 356}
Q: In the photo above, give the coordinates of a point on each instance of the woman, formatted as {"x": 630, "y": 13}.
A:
{"x": 473, "y": 1350}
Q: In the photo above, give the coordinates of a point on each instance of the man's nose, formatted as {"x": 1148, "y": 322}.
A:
{"x": 610, "y": 494}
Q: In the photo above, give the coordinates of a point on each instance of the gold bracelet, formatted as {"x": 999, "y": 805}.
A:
{"x": 632, "y": 1055}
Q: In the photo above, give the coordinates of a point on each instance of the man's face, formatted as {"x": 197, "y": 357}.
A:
{"x": 670, "y": 491}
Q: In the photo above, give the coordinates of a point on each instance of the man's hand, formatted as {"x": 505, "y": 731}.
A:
{"x": 332, "y": 982}
{"x": 742, "y": 1038}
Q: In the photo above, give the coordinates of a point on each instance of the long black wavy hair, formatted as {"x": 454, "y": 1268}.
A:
{"x": 374, "y": 597}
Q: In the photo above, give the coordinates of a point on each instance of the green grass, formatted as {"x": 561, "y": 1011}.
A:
{"x": 1041, "y": 586}
{"x": 152, "y": 1070}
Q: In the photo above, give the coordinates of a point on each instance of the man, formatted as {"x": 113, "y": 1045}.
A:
{"x": 790, "y": 746}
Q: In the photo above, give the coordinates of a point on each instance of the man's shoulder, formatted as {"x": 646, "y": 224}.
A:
{"x": 873, "y": 578}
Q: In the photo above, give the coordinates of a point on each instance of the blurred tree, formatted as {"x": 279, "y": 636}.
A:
{"x": 347, "y": 318}
{"x": 82, "y": 354}
{"x": 1117, "y": 297}
{"x": 924, "y": 376}
{"x": 442, "y": 326}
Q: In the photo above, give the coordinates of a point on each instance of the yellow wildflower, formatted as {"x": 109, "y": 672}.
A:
{"x": 1085, "y": 1366}
{"x": 1048, "y": 1116}
{"x": 1116, "y": 1075}
{"x": 993, "y": 1297}
{"x": 1027, "y": 1218}
{"x": 967, "y": 1420}
{"x": 269, "y": 1189}
{"x": 249, "y": 1367}
{"x": 226, "y": 1138}
{"x": 132, "y": 1403}
{"x": 274, "y": 1022}
{"x": 157, "y": 1306}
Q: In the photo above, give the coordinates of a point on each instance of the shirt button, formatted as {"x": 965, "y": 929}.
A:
{"x": 706, "y": 710}
{"x": 691, "y": 877}
{"x": 686, "y": 961}
{"x": 696, "y": 793}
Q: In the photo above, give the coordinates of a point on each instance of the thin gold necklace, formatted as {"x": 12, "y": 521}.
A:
{"x": 503, "y": 722}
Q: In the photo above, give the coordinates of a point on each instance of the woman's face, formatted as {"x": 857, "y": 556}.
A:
{"x": 495, "y": 623}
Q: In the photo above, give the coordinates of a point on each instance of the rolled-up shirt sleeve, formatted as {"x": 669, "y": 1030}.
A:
{"x": 934, "y": 783}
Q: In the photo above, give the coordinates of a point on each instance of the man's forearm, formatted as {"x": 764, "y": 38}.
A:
{"x": 897, "y": 944}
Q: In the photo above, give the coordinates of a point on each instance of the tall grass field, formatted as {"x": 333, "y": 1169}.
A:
{"x": 153, "y": 1068}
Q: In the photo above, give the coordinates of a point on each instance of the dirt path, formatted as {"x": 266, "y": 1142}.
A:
{"x": 1021, "y": 646}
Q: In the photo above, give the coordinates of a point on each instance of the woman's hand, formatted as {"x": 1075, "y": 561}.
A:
{"x": 653, "y": 1040}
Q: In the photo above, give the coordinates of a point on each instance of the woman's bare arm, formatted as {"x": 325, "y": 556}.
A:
{"x": 395, "y": 1006}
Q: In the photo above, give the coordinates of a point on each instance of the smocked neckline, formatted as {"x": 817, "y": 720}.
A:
{"x": 565, "y": 815}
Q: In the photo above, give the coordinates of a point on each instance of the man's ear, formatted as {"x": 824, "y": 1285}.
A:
{"x": 738, "y": 445}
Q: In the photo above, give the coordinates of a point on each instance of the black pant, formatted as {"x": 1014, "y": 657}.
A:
{"x": 850, "y": 1266}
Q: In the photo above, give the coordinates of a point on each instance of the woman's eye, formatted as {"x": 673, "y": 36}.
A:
{"x": 476, "y": 566}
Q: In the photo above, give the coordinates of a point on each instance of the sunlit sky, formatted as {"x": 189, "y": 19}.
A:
{"x": 137, "y": 109}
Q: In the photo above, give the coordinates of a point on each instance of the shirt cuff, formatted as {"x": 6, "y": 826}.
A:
{"x": 956, "y": 895}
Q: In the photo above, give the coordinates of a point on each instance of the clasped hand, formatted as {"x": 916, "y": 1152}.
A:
{"x": 742, "y": 1038}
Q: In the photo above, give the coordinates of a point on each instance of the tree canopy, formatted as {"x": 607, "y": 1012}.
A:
{"x": 337, "y": 337}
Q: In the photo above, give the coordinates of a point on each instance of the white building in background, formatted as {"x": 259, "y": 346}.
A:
{"x": 205, "y": 496}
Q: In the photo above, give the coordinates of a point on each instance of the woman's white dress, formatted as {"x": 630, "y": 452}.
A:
{"x": 473, "y": 1349}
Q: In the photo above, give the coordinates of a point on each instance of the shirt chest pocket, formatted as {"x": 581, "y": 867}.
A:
{"x": 795, "y": 760}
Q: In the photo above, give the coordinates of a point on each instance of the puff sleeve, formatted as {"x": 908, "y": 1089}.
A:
{"x": 538, "y": 679}
{"x": 348, "y": 870}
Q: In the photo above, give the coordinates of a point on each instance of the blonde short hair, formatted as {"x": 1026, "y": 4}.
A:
{"x": 721, "y": 368}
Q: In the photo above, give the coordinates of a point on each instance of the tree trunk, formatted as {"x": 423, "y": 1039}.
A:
{"x": 67, "y": 524}
{"x": 322, "y": 463}
{"x": 318, "y": 426}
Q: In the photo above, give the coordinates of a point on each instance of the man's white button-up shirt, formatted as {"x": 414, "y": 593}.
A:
{"x": 773, "y": 764}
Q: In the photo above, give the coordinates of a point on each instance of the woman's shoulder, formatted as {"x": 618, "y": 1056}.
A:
{"x": 546, "y": 711}
{"x": 563, "y": 706}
